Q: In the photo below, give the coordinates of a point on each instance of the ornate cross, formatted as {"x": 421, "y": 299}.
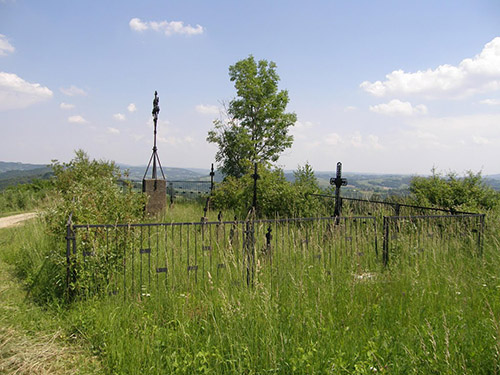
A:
{"x": 154, "y": 156}
{"x": 338, "y": 181}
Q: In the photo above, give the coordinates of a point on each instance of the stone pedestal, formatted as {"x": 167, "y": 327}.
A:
{"x": 156, "y": 191}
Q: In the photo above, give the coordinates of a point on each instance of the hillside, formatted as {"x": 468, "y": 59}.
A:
{"x": 24, "y": 176}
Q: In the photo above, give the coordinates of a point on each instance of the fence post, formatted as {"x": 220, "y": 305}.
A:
{"x": 255, "y": 177}
{"x": 385, "y": 250}
{"x": 70, "y": 240}
{"x": 212, "y": 174}
{"x": 480, "y": 234}
{"x": 171, "y": 193}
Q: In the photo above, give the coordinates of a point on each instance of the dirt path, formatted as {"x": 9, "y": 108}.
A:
{"x": 11, "y": 221}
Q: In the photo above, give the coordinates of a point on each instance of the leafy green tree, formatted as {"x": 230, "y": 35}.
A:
{"x": 256, "y": 126}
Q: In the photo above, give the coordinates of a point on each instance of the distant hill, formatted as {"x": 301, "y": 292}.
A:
{"x": 21, "y": 176}
{"x": 137, "y": 173}
{"x": 14, "y": 166}
{"x": 12, "y": 173}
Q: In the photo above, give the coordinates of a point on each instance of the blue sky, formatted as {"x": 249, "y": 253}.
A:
{"x": 383, "y": 86}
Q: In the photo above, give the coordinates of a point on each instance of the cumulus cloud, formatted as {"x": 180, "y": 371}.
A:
{"x": 473, "y": 75}
{"x": 5, "y": 46}
{"x": 113, "y": 131}
{"x": 66, "y": 106}
{"x": 73, "y": 91}
{"x": 131, "y": 107}
{"x": 77, "y": 119}
{"x": 16, "y": 93}
{"x": 396, "y": 107}
{"x": 166, "y": 27}
{"x": 207, "y": 109}
{"x": 119, "y": 117}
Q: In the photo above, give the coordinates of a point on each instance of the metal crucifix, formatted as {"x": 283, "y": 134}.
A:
{"x": 338, "y": 181}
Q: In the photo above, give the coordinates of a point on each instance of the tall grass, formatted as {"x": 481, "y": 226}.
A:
{"x": 436, "y": 311}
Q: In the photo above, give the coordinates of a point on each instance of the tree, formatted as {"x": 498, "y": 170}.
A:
{"x": 255, "y": 127}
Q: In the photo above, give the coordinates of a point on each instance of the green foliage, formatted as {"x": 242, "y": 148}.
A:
{"x": 453, "y": 192}
{"x": 90, "y": 190}
{"x": 275, "y": 195}
{"x": 24, "y": 197}
{"x": 256, "y": 128}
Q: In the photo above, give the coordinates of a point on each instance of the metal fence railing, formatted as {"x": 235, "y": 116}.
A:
{"x": 144, "y": 259}
{"x": 407, "y": 237}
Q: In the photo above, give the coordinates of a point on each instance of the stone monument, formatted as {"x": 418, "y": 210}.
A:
{"x": 155, "y": 187}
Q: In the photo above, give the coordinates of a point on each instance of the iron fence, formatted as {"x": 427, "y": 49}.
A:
{"x": 143, "y": 259}
{"x": 406, "y": 238}
{"x": 188, "y": 189}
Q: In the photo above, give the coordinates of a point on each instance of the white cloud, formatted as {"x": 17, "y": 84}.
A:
{"x": 66, "y": 106}
{"x": 113, "y": 131}
{"x": 119, "y": 117}
{"x": 480, "y": 140}
{"x": 137, "y": 25}
{"x": 397, "y": 107}
{"x": 207, "y": 109}
{"x": 473, "y": 75}
{"x": 374, "y": 142}
{"x": 490, "y": 101}
{"x": 176, "y": 141}
{"x": 73, "y": 91}
{"x": 350, "y": 108}
{"x": 355, "y": 139}
{"x": 333, "y": 139}
{"x": 303, "y": 125}
{"x": 16, "y": 93}
{"x": 5, "y": 46}
{"x": 166, "y": 27}
{"x": 131, "y": 107}
{"x": 77, "y": 119}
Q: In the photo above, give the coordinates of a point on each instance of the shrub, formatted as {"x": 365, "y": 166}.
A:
{"x": 89, "y": 190}
{"x": 275, "y": 195}
{"x": 452, "y": 192}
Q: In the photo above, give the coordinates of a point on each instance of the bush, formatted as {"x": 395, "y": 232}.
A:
{"x": 452, "y": 192}
{"x": 275, "y": 195}
{"x": 89, "y": 190}
{"x": 25, "y": 196}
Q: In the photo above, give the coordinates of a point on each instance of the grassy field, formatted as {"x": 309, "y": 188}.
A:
{"x": 429, "y": 312}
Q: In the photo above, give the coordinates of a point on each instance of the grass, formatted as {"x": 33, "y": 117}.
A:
{"x": 436, "y": 311}
{"x": 32, "y": 339}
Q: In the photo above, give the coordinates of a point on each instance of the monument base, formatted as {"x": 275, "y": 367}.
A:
{"x": 156, "y": 191}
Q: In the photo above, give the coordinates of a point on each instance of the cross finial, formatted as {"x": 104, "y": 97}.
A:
{"x": 156, "y": 107}
{"x": 338, "y": 181}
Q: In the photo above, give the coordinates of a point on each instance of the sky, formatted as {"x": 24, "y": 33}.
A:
{"x": 382, "y": 86}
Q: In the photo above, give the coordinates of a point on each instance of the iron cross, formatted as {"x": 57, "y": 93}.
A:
{"x": 338, "y": 181}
